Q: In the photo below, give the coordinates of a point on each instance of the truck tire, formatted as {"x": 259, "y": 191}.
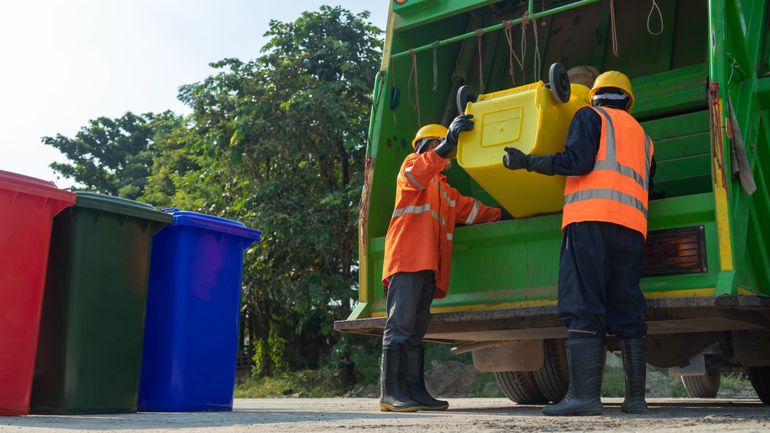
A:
{"x": 553, "y": 377}
{"x": 760, "y": 380}
{"x": 520, "y": 387}
{"x": 703, "y": 386}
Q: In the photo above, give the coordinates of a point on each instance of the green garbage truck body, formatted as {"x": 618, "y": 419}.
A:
{"x": 700, "y": 70}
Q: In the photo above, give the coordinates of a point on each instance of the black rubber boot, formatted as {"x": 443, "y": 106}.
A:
{"x": 584, "y": 356}
{"x": 635, "y": 369}
{"x": 415, "y": 380}
{"x": 393, "y": 396}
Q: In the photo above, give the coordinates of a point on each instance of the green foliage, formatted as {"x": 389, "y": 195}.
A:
{"x": 305, "y": 383}
{"x": 355, "y": 359}
{"x": 278, "y": 143}
{"x": 613, "y": 381}
{"x": 274, "y": 349}
{"x": 113, "y": 156}
{"x": 283, "y": 136}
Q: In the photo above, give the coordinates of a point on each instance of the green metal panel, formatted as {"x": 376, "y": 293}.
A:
{"x": 420, "y": 12}
{"x": 669, "y": 92}
{"x": 517, "y": 261}
{"x": 690, "y": 46}
{"x": 682, "y": 152}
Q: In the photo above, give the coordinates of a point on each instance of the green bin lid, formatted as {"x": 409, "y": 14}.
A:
{"x": 122, "y": 206}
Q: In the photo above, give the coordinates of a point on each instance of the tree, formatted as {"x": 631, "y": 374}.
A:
{"x": 278, "y": 143}
{"x": 284, "y": 138}
{"x": 112, "y": 156}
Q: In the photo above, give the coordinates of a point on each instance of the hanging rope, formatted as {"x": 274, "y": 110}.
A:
{"x": 479, "y": 37}
{"x": 660, "y": 17}
{"x": 435, "y": 64}
{"x": 413, "y": 74}
{"x": 614, "y": 29}
{"x": 508, "y": 31}
{"x": 536, "y": 66}
{"x": 363, "y": 205}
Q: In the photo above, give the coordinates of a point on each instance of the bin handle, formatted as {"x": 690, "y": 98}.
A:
{"x": 169, "y": 210}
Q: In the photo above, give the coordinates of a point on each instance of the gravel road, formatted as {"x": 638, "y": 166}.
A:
{"x": 465, "y": 415}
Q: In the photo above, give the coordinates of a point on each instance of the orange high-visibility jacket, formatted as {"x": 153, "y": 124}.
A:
{"x": 423, "y": 223}
{"x": 615, "y": 191}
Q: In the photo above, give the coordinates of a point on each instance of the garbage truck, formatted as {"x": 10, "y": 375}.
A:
{"x": 700, "y": 71}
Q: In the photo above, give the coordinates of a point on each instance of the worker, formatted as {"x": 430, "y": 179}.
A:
{"x": 609, "y": 167}
{"x": 418, "y": 251}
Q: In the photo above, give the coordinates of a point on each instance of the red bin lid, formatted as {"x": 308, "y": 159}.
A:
{"x": 34, "y": 186}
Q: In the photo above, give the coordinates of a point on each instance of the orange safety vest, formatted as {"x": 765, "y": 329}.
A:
{"x": 616, "y": 190}
{"x": 423, "y": 222}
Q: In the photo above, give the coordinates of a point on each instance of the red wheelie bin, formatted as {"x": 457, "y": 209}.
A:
{"x": 27, "y": 208}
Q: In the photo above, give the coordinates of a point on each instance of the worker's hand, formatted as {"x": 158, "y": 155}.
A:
{"x": 514, "y": 159}
{"x": 505, "y": 215}
{"x": 460, "y": 123}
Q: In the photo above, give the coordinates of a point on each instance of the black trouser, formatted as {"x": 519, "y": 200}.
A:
{"x": 409, "y": 297}
{"x": 599, "y": 272}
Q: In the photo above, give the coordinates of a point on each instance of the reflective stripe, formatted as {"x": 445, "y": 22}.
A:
{"x": 440, "y": 219}
{"x": 451, "y": 202}
{"x": 622, "y": 169}
{"x": 609, "y": 151}
{"x": 647, "y": 160}
{"x": 418, "y": 210}
{"x": 412, "y": 179}
{"x": 610, "y": 161}
{"x": 606, "y": 193}
{"x": 581, "y": 331}
{"x": 610, "y": 97}
{"x": 475, "y": 211}
{"x": 449, "y": 236}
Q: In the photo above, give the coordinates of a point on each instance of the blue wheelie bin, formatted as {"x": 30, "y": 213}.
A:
{"x": 193, "y": 307}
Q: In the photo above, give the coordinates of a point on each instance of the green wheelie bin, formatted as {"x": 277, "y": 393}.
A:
{"x": 90, "y": 349}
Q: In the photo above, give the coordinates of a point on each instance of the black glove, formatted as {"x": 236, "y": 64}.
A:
{"x": 514, "y": 159}
{"x": 460, "y": 123}
{"x": 540, "y": 164}
{"x": 505, "y": 215}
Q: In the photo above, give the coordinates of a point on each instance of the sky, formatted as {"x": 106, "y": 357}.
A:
{"x": 63, "y": 63}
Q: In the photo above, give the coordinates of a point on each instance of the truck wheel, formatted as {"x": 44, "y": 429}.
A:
{"x": 553, "y": 377}
{"x": 703, "y": 386}
{"x": 520, "y": 387}
{"x": 760, "y": 380}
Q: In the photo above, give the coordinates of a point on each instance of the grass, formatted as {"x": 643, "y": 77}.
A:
{"x": 661, "y": 384}
{"x": 307, "y": 383}
{"x": 322, "y": 383}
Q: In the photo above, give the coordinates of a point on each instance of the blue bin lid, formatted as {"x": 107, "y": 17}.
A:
{"x": 217, "y": 224}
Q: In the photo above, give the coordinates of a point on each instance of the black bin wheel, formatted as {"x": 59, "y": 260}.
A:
{"x": 558, "y": 82}
{"x": 465, "y": 94}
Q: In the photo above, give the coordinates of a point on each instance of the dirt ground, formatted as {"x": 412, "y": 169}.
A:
{"x": 465, "y": 415}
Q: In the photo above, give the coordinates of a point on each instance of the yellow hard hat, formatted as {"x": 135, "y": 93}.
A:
{"x": 429, "y": 131}
{"x": 613, "y": 79}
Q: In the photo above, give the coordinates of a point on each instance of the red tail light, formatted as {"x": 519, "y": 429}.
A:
{"x": 675, "y": 251}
